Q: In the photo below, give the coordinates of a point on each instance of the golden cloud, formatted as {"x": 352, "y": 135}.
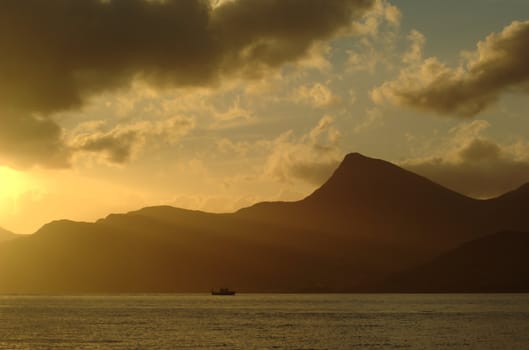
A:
{"x": 475, "y": 165}
{"x": 311, "y": 158}
{"x": 120, "y": 144}
{"x": 499, "y": 64}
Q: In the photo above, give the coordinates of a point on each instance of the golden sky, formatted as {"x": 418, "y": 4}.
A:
{"x": 109, "y": 106}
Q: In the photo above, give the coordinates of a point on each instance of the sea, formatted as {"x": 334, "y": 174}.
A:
{"x": 266, "y": 321}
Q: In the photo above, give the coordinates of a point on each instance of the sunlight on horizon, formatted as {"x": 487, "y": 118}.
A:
{"x": 15, "y": 186}
{"x": 13, "y": 183}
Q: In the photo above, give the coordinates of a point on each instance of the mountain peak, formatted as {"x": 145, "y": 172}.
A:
{"x": 370, "y": 179}
{"x": 355, "y": 158}
{"x": 357, "y": 161}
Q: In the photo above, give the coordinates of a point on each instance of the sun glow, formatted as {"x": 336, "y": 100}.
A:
{"x": 12, "y": 184}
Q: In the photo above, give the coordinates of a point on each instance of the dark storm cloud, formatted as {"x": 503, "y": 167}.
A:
{"x": 25, "y": 140}
{"x": 498, "y": 65}
{"x": 58, "y": 53}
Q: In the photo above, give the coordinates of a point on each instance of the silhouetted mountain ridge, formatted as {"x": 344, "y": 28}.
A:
{"x": 367, "y": 179}
{"x": 371, "y": 219}
{"x": 6, "y": 235}
{"x": 373, "y": 199}
{"x": 520, "y": 193}
{"x": 494, "y": 263}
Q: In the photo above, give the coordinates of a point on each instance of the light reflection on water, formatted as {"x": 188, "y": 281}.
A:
{"x": 322, "y": 321}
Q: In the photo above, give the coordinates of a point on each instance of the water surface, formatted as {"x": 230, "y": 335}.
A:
{"x": 265, "y": 322}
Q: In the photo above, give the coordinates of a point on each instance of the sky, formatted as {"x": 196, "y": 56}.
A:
{"x": 110, "y": 106}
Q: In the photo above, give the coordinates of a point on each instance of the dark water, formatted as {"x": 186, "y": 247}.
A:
{"x": 266, "y": 322}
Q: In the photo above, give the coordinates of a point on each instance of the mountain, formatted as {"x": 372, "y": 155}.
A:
{"x": 5, "y": 235}
{"x": 373, "y": 199}
{"x": 370, "y": 220}
{"x": 384, "y": 207}
{"x": 495, "y": 263}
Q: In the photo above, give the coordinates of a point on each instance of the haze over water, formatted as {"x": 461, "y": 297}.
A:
{"x": 265, "y": 322}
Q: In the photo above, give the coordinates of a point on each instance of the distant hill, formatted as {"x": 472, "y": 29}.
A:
{"x": 370, "y": 220}
{"x": 495, "y": 263}
{"x": 5, "y": 235}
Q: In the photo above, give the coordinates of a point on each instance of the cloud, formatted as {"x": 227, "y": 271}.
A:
{"x": 120, "y": 144}
{"x": 311, "y": 158}
{"x": 380, "y": 28}
{"x": 417, "y": 41}
{"x": 26, "y": 140}
{"x": 373, "y": 117}
{"x": 498, "y": 65}
{"x": 235, "y": 111}
{"x": 475, "y": 165}
{"x": 117, "y": 146}
{"x": 382, "y": 13}
{"x": 316, "y": 95}
{"x": 58, "y": 54}
{"x": 241, "y": 148}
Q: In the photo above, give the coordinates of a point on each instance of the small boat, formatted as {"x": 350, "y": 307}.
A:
{"x": 223, "y": 291}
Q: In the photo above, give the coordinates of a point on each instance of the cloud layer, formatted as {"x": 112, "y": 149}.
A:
{"x": 120, "y": 144}
{"x": 57, "y": 54}
{"x": 475, "y": 165}
{"x": 499, "y": 64}
{"x": 311, "y": 158}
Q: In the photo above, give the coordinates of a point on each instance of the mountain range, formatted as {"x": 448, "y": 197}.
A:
{"x": 372, "y": 226}
{"x": 6, "y": 235}
{"x": 495, "y": 263}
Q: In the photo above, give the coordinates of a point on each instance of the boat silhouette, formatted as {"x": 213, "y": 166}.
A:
{"x": 223, "y": 291}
